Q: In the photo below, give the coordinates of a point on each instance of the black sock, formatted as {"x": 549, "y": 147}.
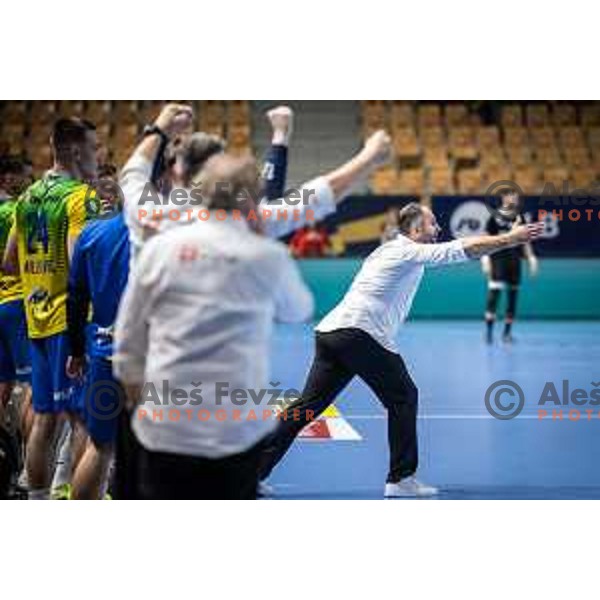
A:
{"x": 511, "y": 309}
{"x": 490, "y": 312}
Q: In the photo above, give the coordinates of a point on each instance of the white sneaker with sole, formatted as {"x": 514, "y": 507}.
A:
{"x": 409, "y": 487}
{"x": 265, "y": 490}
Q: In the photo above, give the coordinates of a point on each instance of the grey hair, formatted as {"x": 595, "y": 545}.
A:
{"x": 410, "y": 217}
{"x": 193, "y": 152}
{"x": 230, "y": 183}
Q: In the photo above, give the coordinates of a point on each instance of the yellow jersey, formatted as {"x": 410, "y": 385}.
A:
{"x": 49, "y": 216}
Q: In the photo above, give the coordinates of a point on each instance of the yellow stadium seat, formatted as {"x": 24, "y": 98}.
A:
{"x": 440, "y": 181}
{"x": 238, "y": 112}
{"x": 577, "y": 157}
{"x": 548, "y": 157}
{"x": 468, "y": 181}
{"x": 411, "y": 181}
{"x": 125, "y": 112}
{"x": 70, "y": 108}
{"x": 456, "y": 115}
{"x": 41, "y": 157}
{"x": 374, "y": 115}
{"x": 42, "y": 112}
{"x": 563, "y": 114}
{"x": 542, "y": 137}
{"x": 103, "y": 133}
{"x": 492, "y": 156}
{"x": 528, "y": 179}
{"x": 429, "y": 115}
{"x": 518, "y": 155}
{"x": 149, "y": 110}
{"x": 405, "y": 143}
{"x": 125, "y": 135}
{"x": 385, "y": 181}
{"x": 585, "y": 178}
{"x": 594, "y": 137}
{"x": 211, "y": 118}
{"x": 537, "y": 115}
{"x": 512, "y": 115}
{"x": 493, "y": 173}
{"x": 432, "y": 137}
{"x": 238, "y": 136}
{"x": 590, "y": 115}
{"x": 556, "y": 176}
{"x": 516, "y": 136}
{"x": 488, "y": 137}
{"x": 13, "y": 111}
{"x": 402, "y": 115}
{"x": 571, "y": 137}
{"x": 435, "y": 157}
{"x": 97, "y": 111}
{"x": 461, "y": 143}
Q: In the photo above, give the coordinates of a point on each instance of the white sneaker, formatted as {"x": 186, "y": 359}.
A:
{"x": 409, "y": 487}
{"x": 265, "y": 490}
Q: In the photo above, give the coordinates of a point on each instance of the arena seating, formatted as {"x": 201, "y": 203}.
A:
{"x": 440, "y": 147}
{"x": 25, "y": 126}
{"x": 458, "y": 147}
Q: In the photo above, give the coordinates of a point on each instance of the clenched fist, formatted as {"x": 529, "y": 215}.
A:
{"x": 379, "y": 147}
{"x": 174, "y": 118}
{"x": 282, "y": 122}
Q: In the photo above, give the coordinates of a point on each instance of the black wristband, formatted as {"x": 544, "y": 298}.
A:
{"x": 155, "y": 130}
{"x": 158, "y": 166}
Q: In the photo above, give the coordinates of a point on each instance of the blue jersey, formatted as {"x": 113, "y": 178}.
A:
{"x": 97, "y": 279}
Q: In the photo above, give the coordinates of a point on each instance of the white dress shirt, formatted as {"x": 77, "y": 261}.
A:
{"x": 282, "y": 218}
{"x": 199, "y": 306}
{"x": 382, "y": 293}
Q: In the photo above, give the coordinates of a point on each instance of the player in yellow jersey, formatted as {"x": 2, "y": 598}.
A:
{"x": 15, "y": 362}
{"x": 48, "y": 219}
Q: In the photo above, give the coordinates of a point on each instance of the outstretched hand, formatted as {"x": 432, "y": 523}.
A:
{"x": 529, "y": 232}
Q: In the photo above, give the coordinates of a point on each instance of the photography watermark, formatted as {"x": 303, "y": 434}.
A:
{"x": 181, "y": 204}
{"x": 561, "y": 201}
{"x": 505, "y": 400}
{"x": 104, "y": 400}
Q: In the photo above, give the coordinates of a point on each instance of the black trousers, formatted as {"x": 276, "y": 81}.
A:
{"x": 166, "y": 476}
{"x": 339, "y": 356}
{"x": 124, "y": 485}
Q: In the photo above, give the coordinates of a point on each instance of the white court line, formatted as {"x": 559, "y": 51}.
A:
{"x": 448, "y": 417}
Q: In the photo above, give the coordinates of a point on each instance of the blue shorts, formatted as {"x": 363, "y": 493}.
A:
{"x": 103, "y": 400}
{"x": 15, "y": 356}
{"x": 53, "y": 391}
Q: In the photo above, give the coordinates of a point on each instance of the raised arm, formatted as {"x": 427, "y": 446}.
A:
{"x": 375, "y": 153}
{"x": 318, "y": 198}
{"x": 137, "y": 172}
{"x": 276, "y": 162}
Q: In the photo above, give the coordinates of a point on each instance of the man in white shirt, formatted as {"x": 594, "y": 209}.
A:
{"x": 197, "y": 313}
{"x": 358, "y": 337}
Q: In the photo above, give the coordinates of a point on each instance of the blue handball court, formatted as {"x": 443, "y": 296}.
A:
{"x": 464, "y": 449}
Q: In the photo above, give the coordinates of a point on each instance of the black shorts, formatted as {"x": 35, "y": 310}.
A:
{"x": 506, "y": 270}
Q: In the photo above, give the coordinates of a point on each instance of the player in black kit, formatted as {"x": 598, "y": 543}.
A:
{"x": 503, "y": 269}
